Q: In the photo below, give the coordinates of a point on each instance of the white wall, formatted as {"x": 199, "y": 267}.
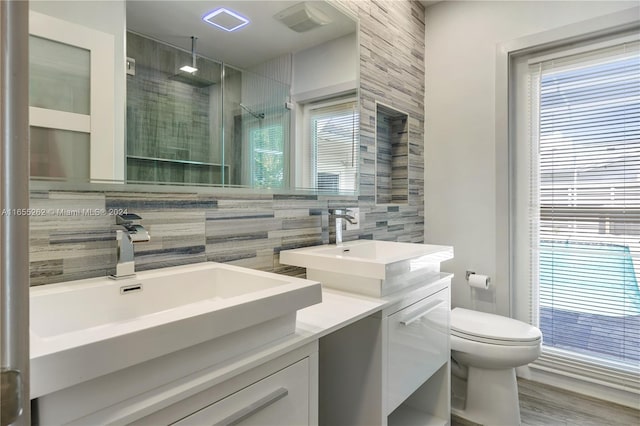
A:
{"x": 331, "y": 67}
{"x": 460, "y": 158}
{"x": 108, "y": 16}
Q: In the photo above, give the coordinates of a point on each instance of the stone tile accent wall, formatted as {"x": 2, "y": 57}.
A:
{"x": 244, "y": 228}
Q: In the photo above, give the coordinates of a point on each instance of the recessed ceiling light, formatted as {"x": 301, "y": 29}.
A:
{"x": 225, "y": 19}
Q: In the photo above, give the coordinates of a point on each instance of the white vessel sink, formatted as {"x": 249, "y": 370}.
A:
{"x": 374, "y": 268}
{"x": 87, "y": 328}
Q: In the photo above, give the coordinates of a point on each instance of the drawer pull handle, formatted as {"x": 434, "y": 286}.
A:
{"x": 253, "y": 408}
{"x": 431, "y": 307}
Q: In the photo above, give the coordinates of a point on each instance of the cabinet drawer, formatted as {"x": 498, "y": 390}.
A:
{"x": 418, "y": 345}
{"x": 279, "y": 399}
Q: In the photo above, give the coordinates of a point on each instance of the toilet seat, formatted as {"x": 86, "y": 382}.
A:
{"x": 492, "y": 329}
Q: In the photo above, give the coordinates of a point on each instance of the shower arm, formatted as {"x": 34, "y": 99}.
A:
{"x": 193, "y": 51}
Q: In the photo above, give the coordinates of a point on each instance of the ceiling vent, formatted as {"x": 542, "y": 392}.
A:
{"x": 302, "y": 17}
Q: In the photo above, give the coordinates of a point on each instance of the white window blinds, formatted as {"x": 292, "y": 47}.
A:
{"x": 585, "y": 198}
{"x": 334, "y": 144}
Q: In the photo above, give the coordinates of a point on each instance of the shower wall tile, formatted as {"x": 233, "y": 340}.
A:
{"x": 250, "y": 229}
{"x": 166, "y": 118}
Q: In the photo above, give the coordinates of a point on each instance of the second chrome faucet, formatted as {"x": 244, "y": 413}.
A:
{"x": 339, "y": 216}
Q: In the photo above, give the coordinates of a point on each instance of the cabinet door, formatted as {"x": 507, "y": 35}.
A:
{"x": 418, "y": 345}
{"x": 279, "y": 399}
{"x": 71, "y": 100}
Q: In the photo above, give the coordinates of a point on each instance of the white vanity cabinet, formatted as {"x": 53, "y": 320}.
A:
{"x": 281, "y": 392}
{"x": 167, "y": 344}
{"x": 392, "y": 367}
{"x": 269, "y": 387}
{"x": 279, "y": 399}
{"x": 417, "y": 345}
{"x": 380, "y": 357}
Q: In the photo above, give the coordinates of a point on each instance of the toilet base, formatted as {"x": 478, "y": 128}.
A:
{"x": 492, "y": 397}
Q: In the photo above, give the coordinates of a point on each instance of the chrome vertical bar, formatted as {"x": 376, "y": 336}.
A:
{"x": 14, "y": 202}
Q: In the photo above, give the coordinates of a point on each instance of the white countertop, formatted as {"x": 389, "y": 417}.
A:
{"x": 338, "y": 309}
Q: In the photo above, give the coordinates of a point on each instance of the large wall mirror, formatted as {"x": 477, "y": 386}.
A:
{"x": 259, "y": 94}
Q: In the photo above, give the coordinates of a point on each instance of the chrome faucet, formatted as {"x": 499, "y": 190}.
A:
{"x": 339, "y": 215}
{"x": 130, "y": 234}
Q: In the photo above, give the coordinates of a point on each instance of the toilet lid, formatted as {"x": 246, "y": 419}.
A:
{"x": 490, "y": 328}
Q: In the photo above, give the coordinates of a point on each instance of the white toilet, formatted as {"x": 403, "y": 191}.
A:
{"x": 489, "y": 348}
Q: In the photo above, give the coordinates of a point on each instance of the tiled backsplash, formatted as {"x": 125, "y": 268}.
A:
{"x": 185, "y": 228}
{"x": 244, "y": 228}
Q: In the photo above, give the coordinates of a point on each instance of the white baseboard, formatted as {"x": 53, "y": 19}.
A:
{"x": 580, "y": 385}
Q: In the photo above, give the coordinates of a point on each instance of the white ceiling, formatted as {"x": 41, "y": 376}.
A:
{"x": 175, "y": 21}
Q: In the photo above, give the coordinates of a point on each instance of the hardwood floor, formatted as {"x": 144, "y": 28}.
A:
{"x": 543, "y": 405}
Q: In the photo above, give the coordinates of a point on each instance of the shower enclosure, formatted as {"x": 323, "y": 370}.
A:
{"x": 219, "y": 125}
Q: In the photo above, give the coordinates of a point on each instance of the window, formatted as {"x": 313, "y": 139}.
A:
{"x": 585, "y": 203}
{"x": 332, "y": 143}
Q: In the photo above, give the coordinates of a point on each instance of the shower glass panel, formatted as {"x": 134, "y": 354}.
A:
{"x": 173, "y": 117}
{"x": 59, "y": 76}
{"x": 256, "y": 128}
{"x": 220, "y": 125}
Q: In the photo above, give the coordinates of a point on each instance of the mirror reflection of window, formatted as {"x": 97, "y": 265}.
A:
{"x": 267, "y": 145}
{"x": 332, "y": 141}
{"x": 257, "y": 131}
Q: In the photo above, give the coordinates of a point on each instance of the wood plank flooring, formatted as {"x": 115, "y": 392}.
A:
{"x": 543, "y": 405}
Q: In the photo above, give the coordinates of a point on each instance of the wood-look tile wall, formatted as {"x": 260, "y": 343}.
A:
{"x": 248, "y": 229}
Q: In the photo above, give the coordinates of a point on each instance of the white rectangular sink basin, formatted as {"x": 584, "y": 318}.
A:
{"x": 83, "y": 329}
{"x": 374, "y": 268}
